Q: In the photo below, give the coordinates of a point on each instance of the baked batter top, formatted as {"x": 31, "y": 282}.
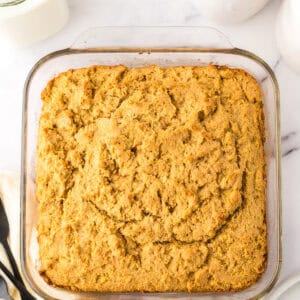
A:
{"x": 152, "y": 179}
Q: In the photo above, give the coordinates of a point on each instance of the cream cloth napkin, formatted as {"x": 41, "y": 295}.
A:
{"x": 10, "y": 196}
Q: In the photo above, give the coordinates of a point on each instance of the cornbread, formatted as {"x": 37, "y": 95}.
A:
{"x": 152, "y": 179}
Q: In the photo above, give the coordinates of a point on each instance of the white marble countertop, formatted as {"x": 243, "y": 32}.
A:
{"x": 256, "y": 35}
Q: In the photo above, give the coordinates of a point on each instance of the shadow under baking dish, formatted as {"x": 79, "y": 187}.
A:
{"x": 164, "y": 46}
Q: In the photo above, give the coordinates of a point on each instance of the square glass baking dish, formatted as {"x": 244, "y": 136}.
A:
{"x": 139, "y": 46}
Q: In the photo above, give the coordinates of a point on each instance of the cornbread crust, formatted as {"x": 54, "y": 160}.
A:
{"x": 152, "y": 179}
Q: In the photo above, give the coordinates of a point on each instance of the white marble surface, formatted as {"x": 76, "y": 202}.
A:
{"x": 256, "y": 35}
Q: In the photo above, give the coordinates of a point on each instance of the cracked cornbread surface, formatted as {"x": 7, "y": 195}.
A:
{"x": 152, "y": 179}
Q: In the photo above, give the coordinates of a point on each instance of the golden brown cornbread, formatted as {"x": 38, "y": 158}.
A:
{"x": 152, "y": 179}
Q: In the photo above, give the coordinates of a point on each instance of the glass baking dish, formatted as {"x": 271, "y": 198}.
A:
{"x": 138, "y": 46}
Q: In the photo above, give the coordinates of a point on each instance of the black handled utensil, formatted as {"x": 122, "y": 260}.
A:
{"x": 19, "y": 285}
{"x": 4, "y": 232}
{"x": 4, "y": 290}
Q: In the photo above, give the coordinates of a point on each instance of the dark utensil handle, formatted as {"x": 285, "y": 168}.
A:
{"x": 20, "y": 286}
{"x": 12, "y": 261}
{"x": 14, "y": 266}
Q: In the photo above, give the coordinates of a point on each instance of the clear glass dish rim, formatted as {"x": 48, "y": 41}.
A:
{"x": 68, "y": 51}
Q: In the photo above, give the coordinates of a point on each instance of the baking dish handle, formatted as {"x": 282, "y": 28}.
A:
{"x": 151, "y": 37}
